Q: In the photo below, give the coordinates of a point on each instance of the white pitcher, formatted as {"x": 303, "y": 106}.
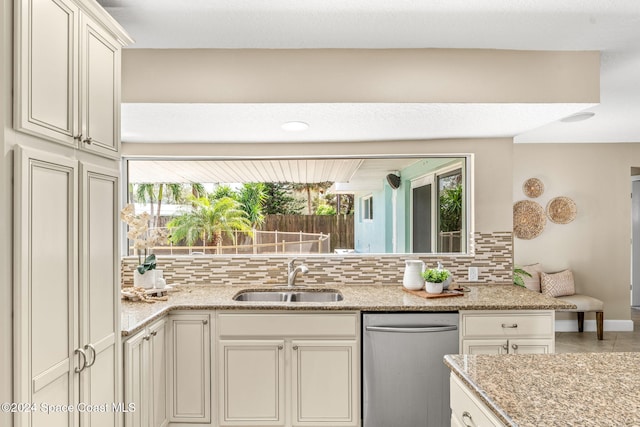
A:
{"x": 412, "y": 278}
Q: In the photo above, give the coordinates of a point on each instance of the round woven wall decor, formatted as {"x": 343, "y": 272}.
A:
{"x": 528, "y": 219}
{"x": 533, "y": 188}
{"x": 561, "y": 210}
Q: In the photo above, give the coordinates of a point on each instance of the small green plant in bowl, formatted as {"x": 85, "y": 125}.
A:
{"x": 436, "y": 280}
{"x": 434, "y": 275}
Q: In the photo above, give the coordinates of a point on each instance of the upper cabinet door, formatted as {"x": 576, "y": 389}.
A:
{"x": 47, "y": 69}
{"x": 99, "y": 90}
{"x": 67, "y": 75}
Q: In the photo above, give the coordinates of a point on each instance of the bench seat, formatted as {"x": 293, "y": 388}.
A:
{"x": 585, "y": 303}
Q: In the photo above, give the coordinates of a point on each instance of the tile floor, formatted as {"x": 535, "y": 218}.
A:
{"x": 586, "y": 342}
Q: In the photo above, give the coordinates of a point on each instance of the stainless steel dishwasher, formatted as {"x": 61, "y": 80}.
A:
{"x": 405, "y": 382}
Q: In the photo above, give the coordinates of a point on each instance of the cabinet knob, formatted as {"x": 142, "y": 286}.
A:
{"x": 511, "y": 326}
{"x": 505, "y": 347}
{"x": 154, "y": 333}
{"x": 280, "y": 347}
{"x": 465, "y": 415}
{"x": 78, "y": 137}
{"x": 88, "y": 140}
{"x": 205, "y": 322}
{"x": 295, "y": 347}
{"x": 147, "y": 338}
{"x": 514, "y": 346}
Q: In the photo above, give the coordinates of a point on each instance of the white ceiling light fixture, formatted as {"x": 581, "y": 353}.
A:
{"x": 578, "y": 117}
{"x": 295, "y": 126}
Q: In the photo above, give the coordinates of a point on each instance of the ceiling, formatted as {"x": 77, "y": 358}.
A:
{"x": 612, "y": 27}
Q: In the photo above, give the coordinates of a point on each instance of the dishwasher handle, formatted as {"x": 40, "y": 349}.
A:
{"x": 412, "y": 329}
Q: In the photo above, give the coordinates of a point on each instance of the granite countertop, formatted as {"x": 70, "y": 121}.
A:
{"x": 577, "y": 389}
{"x": 136, "y": 315}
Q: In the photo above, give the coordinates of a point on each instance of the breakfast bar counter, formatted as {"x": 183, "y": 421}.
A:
{"x": 571, "y": 389}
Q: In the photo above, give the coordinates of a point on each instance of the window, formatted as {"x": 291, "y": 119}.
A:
{"x": 367, "y": 208}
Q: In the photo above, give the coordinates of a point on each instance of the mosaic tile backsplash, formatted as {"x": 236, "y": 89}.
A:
{"x": 493, "y": 257}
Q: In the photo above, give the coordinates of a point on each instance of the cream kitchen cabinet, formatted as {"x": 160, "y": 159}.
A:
{"x": 251, "y": 376}
{"x": 67, "y": 79}
{"x": 288, "y": 369}
{"x": 189, "y": 343}
{"x": 66, "y": 289}
{"x": 502, "y": 332}
{"x": 145, "y": 373}
{"x": 467, "y": 410}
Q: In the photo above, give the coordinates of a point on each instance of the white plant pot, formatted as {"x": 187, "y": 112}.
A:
{"x": 446, "y": 283}
{"x": 146, "y": 280}
{"x": 433, "y": 288}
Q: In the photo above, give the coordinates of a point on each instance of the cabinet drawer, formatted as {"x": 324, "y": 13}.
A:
{"x": 466, "y": 410}
{"x": 507, "y": 325}
{"x": 336, "y": 325}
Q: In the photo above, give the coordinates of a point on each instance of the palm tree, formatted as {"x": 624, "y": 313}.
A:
{"x": 175, "y": 191}
{"x": 207, "y": 221}
{"x": 307, "y": 187}
{"x": 146, "y": 193}
{"x": 252, "y": 197}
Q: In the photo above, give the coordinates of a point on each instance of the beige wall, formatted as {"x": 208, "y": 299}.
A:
{"x": 596, "y": 245}
{"x": 359, "y": 75}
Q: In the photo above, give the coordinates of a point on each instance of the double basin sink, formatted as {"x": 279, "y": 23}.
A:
{"x": 286, "y": 295}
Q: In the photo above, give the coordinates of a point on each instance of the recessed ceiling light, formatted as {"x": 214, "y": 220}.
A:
{"x": 295, "y": 126}
{"x": 578, "y": 117}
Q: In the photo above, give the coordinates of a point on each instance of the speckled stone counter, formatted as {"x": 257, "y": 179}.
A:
{"x": 136, "y": 315}
{"x": 573, "y": 389}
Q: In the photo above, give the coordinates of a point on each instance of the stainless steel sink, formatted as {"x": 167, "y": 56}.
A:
{"x": 323, "y": 295}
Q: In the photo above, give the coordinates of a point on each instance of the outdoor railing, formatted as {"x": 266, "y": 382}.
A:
{"x": 256, "y": 242}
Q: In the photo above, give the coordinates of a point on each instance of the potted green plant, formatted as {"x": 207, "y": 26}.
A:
{"x": 436, "y": 279}
{"x": 518, "y": 276}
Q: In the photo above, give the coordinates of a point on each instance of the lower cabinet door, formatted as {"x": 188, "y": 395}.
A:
{"x": 136, "y": 380}
{"x": 529, "y": 346}
{"x": 158, "y": 374}
{"x": 325, "y": 383}
{"x": 189, "y": 383}
{"x": 496, "y": 346}
{"x": 251, "y": 382}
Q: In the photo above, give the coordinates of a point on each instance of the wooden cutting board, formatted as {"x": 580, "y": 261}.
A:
{"x": 424, "y": 294}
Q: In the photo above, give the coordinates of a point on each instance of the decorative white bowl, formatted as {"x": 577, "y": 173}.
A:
{"x": 433, "y": 288}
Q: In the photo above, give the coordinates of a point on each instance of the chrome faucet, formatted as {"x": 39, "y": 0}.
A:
{"x": 292, "y": 272}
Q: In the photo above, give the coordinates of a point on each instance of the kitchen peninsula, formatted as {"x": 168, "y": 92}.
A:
{"x": 527, "y": 390}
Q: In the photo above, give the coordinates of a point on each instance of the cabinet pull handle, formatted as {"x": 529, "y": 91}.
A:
{"x": 465, "y": 414}
{"x": 205, "y": 322}
{"x": 295, "y": 347}
{"x": 88, "y": 140}
{"x": 511, "y": 326}
{"x": 93, "y": 354}
{"x": 83, "y": 356}
{"x": 514, "y": 346}
{"x": 154, "y": 333}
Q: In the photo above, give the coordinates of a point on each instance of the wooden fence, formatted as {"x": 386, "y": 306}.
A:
{"x": 340, "y": 227}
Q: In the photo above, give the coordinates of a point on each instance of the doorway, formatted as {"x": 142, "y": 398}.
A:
{"x": 635, "y": 240}
{"x": 421, "y": 227}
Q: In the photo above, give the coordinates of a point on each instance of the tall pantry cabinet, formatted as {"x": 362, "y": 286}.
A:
{"x": 67, "y": 352}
